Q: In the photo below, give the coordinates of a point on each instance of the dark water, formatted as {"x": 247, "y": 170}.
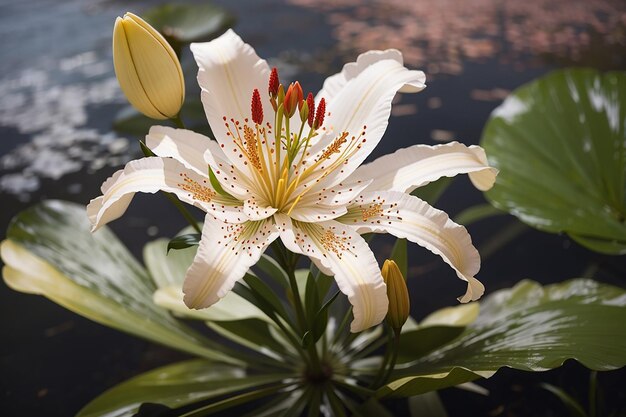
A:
{"x": 58, "y": 99}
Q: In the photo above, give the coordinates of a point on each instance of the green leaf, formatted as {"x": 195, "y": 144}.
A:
{"x": 175, "y": 386}
{"x": 320, "y": 320}
{"x": 167, "y": 268}
{"x": 262, "y": 290}
{"x": 184, "y": 241}
{"x": 372, "y": 408}
{"x": 231, "y": 307}
{"x": 477, "y": 213}
{"x": 528, "y": 327}
{"x": 186, "y": 23}
{"x": 420, "y": 384}
{"x": 575, "y": 409}
{"x": 428, "y": 404}
{"x": 273, "y": 270}
{"x": 399, "y": 255}
{"x": 459, "y": 315}
{"x": 254, "y": 334}
{"x": 217, "y": 186}
{"x": 432, "y": 191}
{"x": 312, "y": 302}
{"x": 50, "y": 251}
{"x": 417, "y": 343}
{"x": 560, "y": 145}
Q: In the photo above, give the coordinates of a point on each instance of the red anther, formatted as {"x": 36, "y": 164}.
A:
{"x": 310, "y": 103}
{"x": 293, "y": 97}
{"x": 257, "y": 107}
{"x": 319, "y": 114}
{"x": 273, "y": 84}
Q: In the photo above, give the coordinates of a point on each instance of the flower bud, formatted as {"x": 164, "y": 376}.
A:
{"x": 310, "y": 104}
{"x": 147, "y": 68}
{"x": 304, "y": 111}
{"x": 293, "y": 97}
{"x": 398, "y": 295}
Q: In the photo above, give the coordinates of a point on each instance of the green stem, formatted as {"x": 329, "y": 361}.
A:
{"x": 342, "y": 325}
{"x": 593, "y": 390}
{"x": 394, "y": 356}
{"x": 178, "y": 121}
{"x": 315, "y": 361}
{"x": 376, "y": 382}
{"x": 357, "y": 389}
{"x": 290, "y": 266}
{"x": 183, "y": 210}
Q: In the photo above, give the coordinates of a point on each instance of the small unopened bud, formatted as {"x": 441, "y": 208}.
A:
{"x": 293, "y": 97}
{"x": 280, "y": 96}
{"x": 310, "y": 101}
{"x": 319, "y": 114}
{"x": 398, "y": 295}
{"x": 147, "y": 68}
{"x": 304, "y": 111}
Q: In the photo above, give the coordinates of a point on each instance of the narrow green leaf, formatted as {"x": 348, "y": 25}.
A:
{"x": 144, "y": 148}
{"x": 273, "y": 270}
{"x": 372, "y": 408}
{"x": 312, "y": 301}
{"x": 320, "y": 319}
{"x": 51, "y": 251}
{"x": 167, "y": 269}
{"x": 184, "y": 241}
{"x": 262, "y": 290}
{"x": 477, "y": 213}
{"x": 235, "y": 401}
{"x": 254, "y": 334}
{"x": 574, "y": 408}
{"x": 217, "y": 186}
{"x": 428, "y": 404}
{"x": 399, "y": 255}
{"x": 174, "y": 386}
{"x": 431, "y": 192}
{"x": 307, "y": 339}
{"x": 231, "y": 307}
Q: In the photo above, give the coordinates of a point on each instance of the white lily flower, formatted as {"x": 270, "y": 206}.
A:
{"x": 298, "y": 178}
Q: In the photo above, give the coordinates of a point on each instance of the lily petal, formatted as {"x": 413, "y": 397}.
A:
{"x": 198, "y": 152}
{"x": 408, "y": 217}
{"x": 255, "y": 212}
{"x": 229, "y": 71}
{"x": 361, "y": 109}
{"x": 335, "y": 83}
{"x": 338, "y": 250}
{"x": 327, "y": 204}
{"x": 225, "y": 254}
{"x": 149, "y": 175}
{"x": 186, "y": 146}
{"x": 409, "y": 168}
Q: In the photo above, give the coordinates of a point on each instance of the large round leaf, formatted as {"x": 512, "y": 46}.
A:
{"x": 527, "y": 327}
{"x": 187, "y": 23}
{"x": 560, "y": 145}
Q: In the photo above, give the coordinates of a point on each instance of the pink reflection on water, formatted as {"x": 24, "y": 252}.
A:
{"x": 444, "y": 34}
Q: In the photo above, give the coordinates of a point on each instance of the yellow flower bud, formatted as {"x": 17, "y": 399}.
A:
{"x": 398, "y": 294}
{"x": 147, "y": 68}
